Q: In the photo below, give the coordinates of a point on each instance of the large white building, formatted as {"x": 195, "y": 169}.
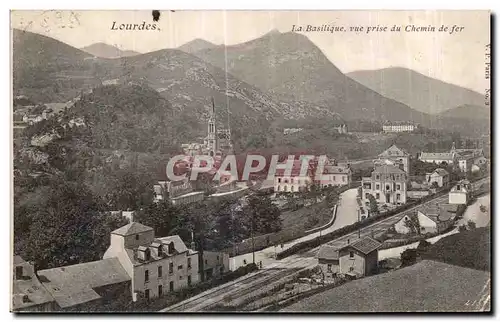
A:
{"x": 398, "y": 127}
{"x": 335, "y": 175}
{"x": 387, "y": 184}
{"x": 460, "y": 193}
{"x": 293, "y": 182}
{"x": 155, "y": 265}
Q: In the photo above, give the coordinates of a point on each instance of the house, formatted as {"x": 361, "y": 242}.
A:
{"x": 155, "y": 265}
{"x": 328, "y": 261}
{"x": 387, "y": 184}
{"x": 428, "y": 220}
{"x": 28, "y": 294}
{"x": 398, "y": 127}
{"x": 195, "y": 196}
{"x": 295, "y": 181}
{"x": 215, "y": 264}
{"x": 180, "y": 192}
{"x": 89, "y": 285}
{"x": 440, "y": 176}
{"x": 445, "y": 158}
{"x": 291, "y": 130}
{"x": 465, "y": 161}
{"x": 359, "y": 258}
{"x": 427, "y": 286}
{"x": 335, "y": 176}
{"x": 32, "y": 119}
{"x": 338, "y": 124}
{"x": 395, "y": 156}
{"x": 460, "y": 193}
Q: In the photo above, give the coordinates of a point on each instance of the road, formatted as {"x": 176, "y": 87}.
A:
{"x": 346, "y": 215}
{"x": 276, "y": 269}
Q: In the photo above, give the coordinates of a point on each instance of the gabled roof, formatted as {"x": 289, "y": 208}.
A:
{"x": 365, "y": 245}
{"x": 388, "y": 169}
{"x": 328, "y": 252}
{"x": 393, "y": 151}
{"x": 76, "y": 284}
{"x": 436, "y": 156}
{"x": 441, "y": 172}
{"x": 131, "y": 229}
{"x": 179, "y": 245}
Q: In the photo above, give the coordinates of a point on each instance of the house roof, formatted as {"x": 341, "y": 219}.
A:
{"x": 75, "y": 284}
{"x": 131, "y": 229}
{"x": 436, "y": 156}
{"x": 365, "y": 245}
{"x": 328, "y": 252}
{"x": 332, "y": 169}
{"x": 179, "y": 245}
{"x": 28, "y": 286}
{"x": 388, "y": 169}
{"x": 427, "y": 286}
{"x": 441, "y": 172}
{"x": 393, "y": 151}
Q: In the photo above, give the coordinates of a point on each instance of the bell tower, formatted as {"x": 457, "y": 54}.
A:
{"x": 213, "y": 143}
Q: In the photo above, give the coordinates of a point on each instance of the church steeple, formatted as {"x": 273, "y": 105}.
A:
{"x": 212, "y": 131}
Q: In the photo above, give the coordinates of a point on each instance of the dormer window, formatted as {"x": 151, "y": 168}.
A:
{"x": 136, "y": 237}
{"x": 171, "y": 248}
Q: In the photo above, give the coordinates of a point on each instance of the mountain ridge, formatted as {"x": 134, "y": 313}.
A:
{"x": 399, "y": 83}
{"x": 104, "y": 50}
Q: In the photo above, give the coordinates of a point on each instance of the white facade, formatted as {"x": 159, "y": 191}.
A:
{"x": 291, "y": 183}
{"x": 388, "y": 185}
{"x": 440, "y": 176}
{"x": 394, "y": 156}
{"x": 155, "y": 265}
{"x": 459, "y": 194}
{"x": 335, "y": 176}
{"x": 396, "y": 128}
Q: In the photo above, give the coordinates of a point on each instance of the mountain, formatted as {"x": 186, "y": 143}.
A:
{"x": 290, "y": 67}
{"x": 196, "y": 45}
{"x": 467, "y": 112}
{"x": 422, "y": 93}
{"x": 107, "y": 51}
{"x": 47, "y": 70}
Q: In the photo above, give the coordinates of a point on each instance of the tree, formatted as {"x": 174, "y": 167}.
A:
{"x": 423, "y": 245}
{"x": 471, "y": 225}
{"x": 262, "y": 214}
{"x": 409, "y": 257}
{"x": 68, "y": 226}
{"x": 373, "y": 204}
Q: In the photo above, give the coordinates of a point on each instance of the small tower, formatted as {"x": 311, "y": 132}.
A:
{"x": 213, "y": 143}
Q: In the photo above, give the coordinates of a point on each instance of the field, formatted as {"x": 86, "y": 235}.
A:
{"x": 308, "y": 217}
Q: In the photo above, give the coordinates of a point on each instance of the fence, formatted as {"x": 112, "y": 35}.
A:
{"x": 309, "y": 244}
{"x": 273, "y": 239}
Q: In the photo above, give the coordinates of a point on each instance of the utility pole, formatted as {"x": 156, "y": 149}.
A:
{"x": 253, "y": 245}
{"x": 359, "y": 223}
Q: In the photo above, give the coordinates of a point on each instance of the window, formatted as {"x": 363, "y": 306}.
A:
{"x": 160, "y": 271}
{"x": 377, "y": 196}
{"x": 367, "y": 195}
{"x": 351, "y": 254}
{"x": 179, "y": 267}
{"x": 217, "y": 257}
{"x": 189, "y": 263}
{"x": 422, "y": 229}
{"x": 343, "y": 178}
{"x": 377, "y": 177}
{"x": 206, "y": 262}
{"x": 329, "y": 268}
{"x": 189, "y": 280}
{"x": 146, "y": 276}
{"x": 377, "y": 187}
{"x": 351, "y": 269}
{"x": 398, "y": 196}
{"x": 387, "y": 187}
{"x": 160, "y": 290}
{"x": 398, "y": 187}
{"x": 334, "y": 178}
{"x": 146, "y": 294}
{"x": 170, "y": 268}
{"x": 136, "y": 237}
{"x": 279, "y": 180}
{"x": 291, "y": 188}
{"x": 171, "y": 286}
{"x": 180, "y": 277}
{"x": 279, "y": 188}
{"x": 291, "y": 180}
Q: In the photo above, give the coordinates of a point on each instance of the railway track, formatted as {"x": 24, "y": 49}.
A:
{"x": 282, "y": 268}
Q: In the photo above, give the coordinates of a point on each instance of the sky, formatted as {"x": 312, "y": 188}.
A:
{"x": 457, "y": 58}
